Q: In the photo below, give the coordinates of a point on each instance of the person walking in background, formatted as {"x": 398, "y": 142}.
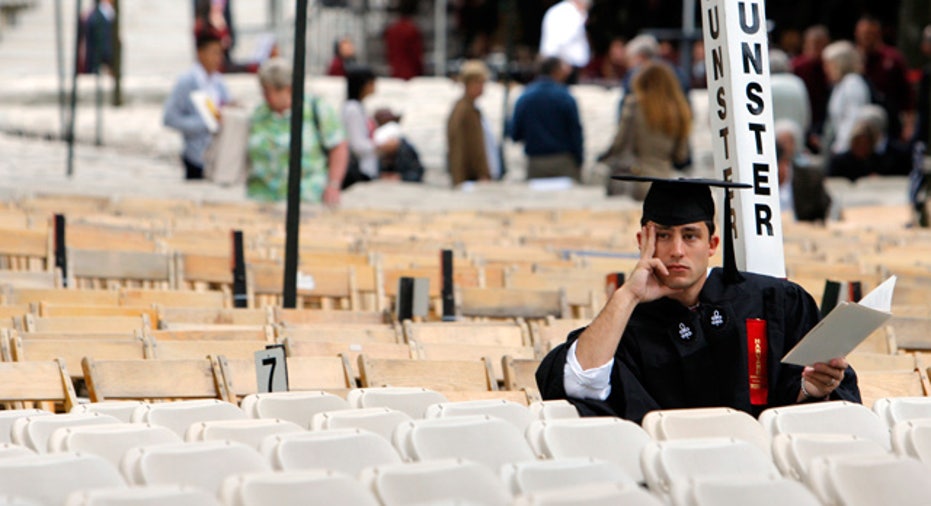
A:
{"x": 98, "y": 37}
{"x": 472, "y": 149}
{"x": 546, "y": 120}
{"x": 404, "y": 43}
{"x": 215, "y": 18}
{"x": 653, "y": 132}
{"x": 325, "y": 152}
{"x": 563, "y": 35}
{"x": 180, "y": 112}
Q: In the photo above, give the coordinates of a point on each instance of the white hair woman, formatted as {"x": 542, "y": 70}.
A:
{"x": 843, "y": 65}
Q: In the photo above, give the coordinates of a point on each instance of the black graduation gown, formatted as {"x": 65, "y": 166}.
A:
{"x": 672, "y": 357}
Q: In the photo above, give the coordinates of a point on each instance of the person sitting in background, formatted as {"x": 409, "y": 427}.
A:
{"x": 404, "y": 162}
{"x": 180, "y": 112}
{"x": 790, "y": 98}
{"x": 546, "y": 120}
{"x": 344, "y": 53}
{"x": 894, "y": 156}
{"x": 472, "y": 149}
{"x": 324, "y": 151}
{"x": 363, "y": 152}
{"x": 810, "y": 68}
{"x": 801, "y": 187}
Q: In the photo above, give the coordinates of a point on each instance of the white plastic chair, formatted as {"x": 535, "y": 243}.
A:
{"x": 154, "y": 495}
{"x": 596, "y": 494}
{"x": 444, "y": 481}
{"x": 381, "y": 421}
{"x": 250, "y": 432}
{"x": 553, "y": 410}
{"x": 509, "y": 411}
{"x": 298, "y": 407}
{"x": 893, "y": 410}
{"x": 202, "y": 464}
{"x": 667, "y": 424}
{"x": 741, "y": 490}
{"x": 833, "y": 417}
{"x": 413, "y": 401}
{"x": 122, "y": 410}
{"x": 669, "y": 462}
{"x": 9, "y": 500}
{"x": 49, "y": 479}
{"x": 868, "y": 480}
{"x": 793, "y": 453}
{"x": 479, "y": 438}
{"x": 35, "y": 432}
{"x": 604, "y": 438}
{"x": 538, "y": 475}
{"x": 342, "y": 450}
{"x": 295, "y": 488}
{"x": 110, "y": 441}
{"x": 912, "y": 438}
{"x": 180, "y": 415}
{"x": 8, "y": 417}
{"x": 12, "y": 451}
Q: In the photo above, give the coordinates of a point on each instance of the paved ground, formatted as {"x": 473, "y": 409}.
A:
{"x": 139, "y": 155}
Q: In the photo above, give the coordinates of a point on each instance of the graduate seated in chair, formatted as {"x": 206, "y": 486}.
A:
{"x": 676, "y": 334}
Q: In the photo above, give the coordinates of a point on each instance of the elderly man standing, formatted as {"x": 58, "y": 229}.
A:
{"x": 325, "y": 152}
{"x": 472, "y": 147}
{"x": 563, "y": 34}
{"x": 546, "y": 119}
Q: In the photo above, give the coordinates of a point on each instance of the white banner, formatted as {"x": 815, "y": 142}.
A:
{"x": 741, "y": 111}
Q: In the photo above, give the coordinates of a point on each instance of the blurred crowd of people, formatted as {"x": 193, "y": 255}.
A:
{"x": 842, "y": 108}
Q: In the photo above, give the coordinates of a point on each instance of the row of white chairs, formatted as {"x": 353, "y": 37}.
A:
{"x": 235, "y": 475}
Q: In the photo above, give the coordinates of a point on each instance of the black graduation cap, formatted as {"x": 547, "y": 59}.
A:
{"x": 673, "y": 202}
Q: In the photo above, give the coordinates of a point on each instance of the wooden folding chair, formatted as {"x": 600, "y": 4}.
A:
{"x": 190, "y": 349}
{"x": 304, "y": 317}
{"x": 114, "y": 269}
{"x": 87, "y": 324}
{"x": 86, "y": 297}
{"x": 168, "y": 316}
{"x": 512, "y": 303}
{"x": 498, "y": 333}
{"x": 26, "y": 250}
{"x": 36, "y": 382}
{"x": 466, "y": 351}
{"x": 440, "y": 375}
{"x": 52, "y": 310}
{"x": 307, "y": 348}
{"x": 520, "y": 373}
{"x": 333, "y": 288}
{"x": 154, "y": 379}
{"x": 331, "y": 374}
{"x": 31, "y": 279}
{"x": 878, "y": 384}
{"x": 551, "y": 332}
{"x": 263, "y": 334}
{"x": 137, "y": 297}
{"x": 345, "y": 332}
{"x": 72, "y": 351}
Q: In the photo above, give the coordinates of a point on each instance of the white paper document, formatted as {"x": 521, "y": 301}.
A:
{"x": 206, "y": 109}
{"x": 844, "y": 328}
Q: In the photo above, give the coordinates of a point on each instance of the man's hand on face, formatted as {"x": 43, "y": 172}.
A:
{"x": 645, "y": 283}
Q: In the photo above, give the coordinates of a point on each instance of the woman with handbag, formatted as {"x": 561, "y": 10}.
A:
{"x": 653, "y": 132}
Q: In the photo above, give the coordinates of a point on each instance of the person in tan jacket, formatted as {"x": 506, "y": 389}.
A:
{"x": 653, "y": 132}
{"x": 472, "y": 148}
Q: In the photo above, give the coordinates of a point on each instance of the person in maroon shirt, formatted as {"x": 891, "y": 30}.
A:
{"x": 344, "y": 53}
{"x": 809, "y": 68}
{"x": 885, "y": 68}
{"x": 404, "y": 43}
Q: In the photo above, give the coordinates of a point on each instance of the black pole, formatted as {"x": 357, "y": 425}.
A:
{"x": 294, "y": 162}
{"x": 240, "y": 293}
{"x": 74, "y": 88}
{"x": 116, "y": 67}
{"x": 60, "y": 57}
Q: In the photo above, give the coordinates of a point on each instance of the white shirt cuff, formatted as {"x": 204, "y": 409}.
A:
{"x": 586, "y": 383}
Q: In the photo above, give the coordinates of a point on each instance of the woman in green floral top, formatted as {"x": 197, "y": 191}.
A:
{"x": 270, "y": 138}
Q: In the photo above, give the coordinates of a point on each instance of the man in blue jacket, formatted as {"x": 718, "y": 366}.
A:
{"x": 546, "y": 120}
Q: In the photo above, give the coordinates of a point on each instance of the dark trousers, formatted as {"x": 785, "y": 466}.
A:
{"x": 192, "y": 170}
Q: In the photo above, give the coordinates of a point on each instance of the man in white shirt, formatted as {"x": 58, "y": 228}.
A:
{"x": 563, "y": 34}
